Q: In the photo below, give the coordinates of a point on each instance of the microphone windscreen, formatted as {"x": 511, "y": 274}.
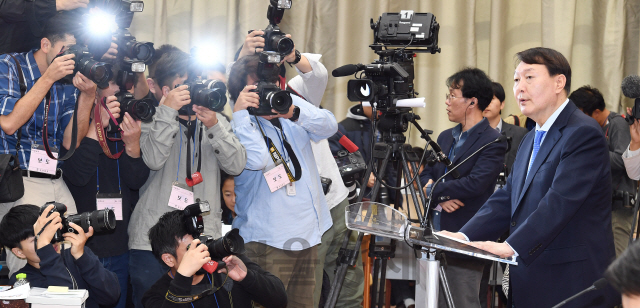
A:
{"x": 631, "y": 86}
{"x": 345, "y": 70}
{"x": 600, "y": 283}
{"x": 502, "y": 138}
{"x": 348, "y": 144}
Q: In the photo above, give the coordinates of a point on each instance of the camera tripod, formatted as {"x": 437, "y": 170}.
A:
{"x": 393, "y": 149}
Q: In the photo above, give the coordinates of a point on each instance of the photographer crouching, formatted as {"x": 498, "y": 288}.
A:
{"x": 240, "y": 283}
{"x": 281, "y": 210}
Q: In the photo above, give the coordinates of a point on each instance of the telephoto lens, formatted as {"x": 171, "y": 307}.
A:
{"x": 100, "y": 220}
{"x": 138, "y": 109}
{"x": 230, "y": 244}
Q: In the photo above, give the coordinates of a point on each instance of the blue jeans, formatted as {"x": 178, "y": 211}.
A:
{"x": 144, "y": 270}
{"x": 120, "y": 266}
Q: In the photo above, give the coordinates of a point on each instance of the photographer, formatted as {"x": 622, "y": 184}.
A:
{"x": 590, "y": 101}
{"x": 172, "y": 244}
{"x": 171, "y": 144}
{"x": 93, "y": 177}
{"x": 49, "y": 264}
{"x": 297, "y": 215}
{"x": 23, "y": 115}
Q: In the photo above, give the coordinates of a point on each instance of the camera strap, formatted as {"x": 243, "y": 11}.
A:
{"x": 196, "y": 178}
{"x": 183, "y": 299}
{"x": 74, "y": 129}
{"x": 277, "y": 157}
{"x": 100, "y": 133}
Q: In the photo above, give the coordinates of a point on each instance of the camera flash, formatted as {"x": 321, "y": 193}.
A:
{"x": 284, "y": 4}
{"x": 138, "y": 67}
{"x": 136, "y": 6}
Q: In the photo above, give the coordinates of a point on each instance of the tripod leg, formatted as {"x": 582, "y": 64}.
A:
{"x": 444, "y": 283}
{"x": 374, "y": 285}
{"x": 382, "y": 283}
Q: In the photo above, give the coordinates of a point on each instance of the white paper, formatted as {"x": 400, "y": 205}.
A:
{"x": 20, "y": 292}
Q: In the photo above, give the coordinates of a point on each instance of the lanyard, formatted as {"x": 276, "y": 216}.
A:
{"x": 98, "y": 174}
{"x": 189, "y": 162}
{"x": 282, "y": 140}
{"x": 45, "y": 117}
{"x": 277, "y": 158}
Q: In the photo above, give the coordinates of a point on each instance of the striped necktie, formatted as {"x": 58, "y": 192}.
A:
{"x": 536, "y": 147}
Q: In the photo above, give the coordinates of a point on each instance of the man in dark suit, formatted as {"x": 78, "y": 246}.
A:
{"x": 557, "y": 201}
{"x": 516, "y": 133}
{"x": 458, "y": 199}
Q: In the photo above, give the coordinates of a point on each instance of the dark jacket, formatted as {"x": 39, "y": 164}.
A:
{"x": 478, "y": 175}
{"x": 258, "y": 286}
{"x": 516, "y": 133}
{"x": 63, "y": 269}
{"x": 22, "y": 22}
{"x": 125, "y": 175}
{"x": 618, "y": 139}
{"x": 559, "y": 216}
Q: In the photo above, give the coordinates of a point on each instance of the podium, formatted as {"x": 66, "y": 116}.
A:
{"x": 383, "y": 220}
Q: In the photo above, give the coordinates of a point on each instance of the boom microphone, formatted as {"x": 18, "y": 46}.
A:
{"x": 599, "y": 284}
{"x": 631, "y": 86}
{"x": 347, "y": 70}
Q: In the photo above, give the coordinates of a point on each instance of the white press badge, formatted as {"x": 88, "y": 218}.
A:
{"x": 111, "y": 201}
{"x": 41, "y": 162}
{"x": 181, "y": 196}
{"x": 276, "y": 177}
{"x": 291, "y": 189}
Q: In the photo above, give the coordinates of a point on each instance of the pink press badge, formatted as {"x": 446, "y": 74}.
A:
{"x": 41, "y": 162}
{"x": 276, "y": 178}
{"x": 180, "y": 196}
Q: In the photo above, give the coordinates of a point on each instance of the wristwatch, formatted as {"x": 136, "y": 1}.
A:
{"x": 298, "y": 57}
{"x": 296, "y": 114}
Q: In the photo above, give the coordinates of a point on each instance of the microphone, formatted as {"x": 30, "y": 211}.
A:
{"x": 348, "y": 144}
{"x": 631, "y": 86}
{"x": 443, "y": 158}
{"x": 599, "y": 284}
{"x": 347, "y": 70}
{"x": 502, "y": 138}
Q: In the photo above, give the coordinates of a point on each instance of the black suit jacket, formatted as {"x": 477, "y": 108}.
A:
{"x": 516, "y": 133}
{"x": 478, "y": 175}
{"x": 559, "y": 216}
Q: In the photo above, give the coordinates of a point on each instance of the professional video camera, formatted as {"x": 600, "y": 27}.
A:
{"x": 100, "y": 220}
{"x": 206, "y": 93}
{"x": 98, "y": 72}
{"x": 390, "y": 79}
{"x": 276, "y": 47}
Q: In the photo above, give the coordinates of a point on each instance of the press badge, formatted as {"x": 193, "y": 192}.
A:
{"x": 181, "y": 196}
{"x": 291, "y": 189}
{"x": 41, "y": 162}
{"x": 111, "y": 201}
{"x": 276, "y": 177}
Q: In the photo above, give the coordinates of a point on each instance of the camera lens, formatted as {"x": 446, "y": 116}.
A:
{"x": 143, "y": 52}
{"x": 281, "y": 44}
{"x": 230, "y": 244}
{"x": 101, "y": 220}
{"x": 142, "y": 109}
{"x": 279, "y": 100}
{"x": 98, "y": 72}
{"x": 212, "y": 96}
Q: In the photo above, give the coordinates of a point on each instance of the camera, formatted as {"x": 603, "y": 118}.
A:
{"x": 274, "y": 39}
{"x": 230, "y": 244}
{"x": 271, "y": 97}
{"x": 628, "y": 199}
{"x": 350, "y": 165}
{"x": 98, "y": 72}
{"x": 390, "y": 78}
{"x": 100, "y": 220}
{"x": 209, "y": 93}
{"x": 139, "y": 109}
{"x": 193, "y": 217}
{"x": 129, "y": 47}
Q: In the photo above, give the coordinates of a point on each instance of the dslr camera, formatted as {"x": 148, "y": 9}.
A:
{"x": 98, "y": 72}
{"x": 209, "y": 93}
{"x": 274, "y": 39}
{"x": 271, "y": 96}
{"x": 100, "y": 220}
{"x": 139, "y": 109}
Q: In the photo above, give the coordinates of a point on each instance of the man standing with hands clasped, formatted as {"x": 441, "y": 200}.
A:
{"x": 557, "y": 200}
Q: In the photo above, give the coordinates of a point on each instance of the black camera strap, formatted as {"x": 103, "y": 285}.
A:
{"x": 189, "y": 148}
{"x": 277, "y": 157}
{"x": 74, "y": 129}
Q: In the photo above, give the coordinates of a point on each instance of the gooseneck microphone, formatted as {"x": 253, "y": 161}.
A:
{"x": 347, "y": 70}
{"x": 599, "y": 284}
{"x": 443, "y": 158}
{"x": 502, "y": 138}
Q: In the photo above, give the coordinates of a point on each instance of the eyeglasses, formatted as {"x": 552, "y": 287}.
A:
{"x": 451, "y": 97}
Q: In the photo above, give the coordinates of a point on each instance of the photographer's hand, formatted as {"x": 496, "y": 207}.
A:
{"x": 206, "y": 116}
{"x": 114, "y": 107}
{"x": 84, "y": 84}
{"x": 59, "y": 68}
{"x": 287, "y": 115}
{"x": 193, "y": 259}
{"x": 112, "y": 52}
{"x": 253, "y": 43}
{"x": 131, "y": 131}
{"x": 49, "y": 230}
{"x": 634, "y": 129}
{"x": 247, "y": 99}
{"x": 77, "y": 240}
{"x": 178, "y": 97}
{"x": 236, "y": 269}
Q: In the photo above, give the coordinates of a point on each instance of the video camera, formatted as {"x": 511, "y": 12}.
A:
{"x": 390, "y": 78}
{"x": 206, "y": 93}
{"x": 100, "y": 220}
{"x": 98, "y": 72}
{"x": 230, "y": 244}
{"x": 276, "y": 47}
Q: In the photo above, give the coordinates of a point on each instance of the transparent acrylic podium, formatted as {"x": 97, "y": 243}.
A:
{"x": 383, "y": 220}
